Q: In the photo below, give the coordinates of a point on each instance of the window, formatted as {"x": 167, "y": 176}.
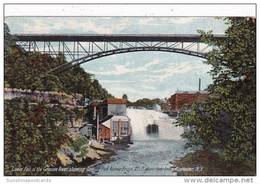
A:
{"x": 124, "y": 127}
{"x": 115, "y": 128}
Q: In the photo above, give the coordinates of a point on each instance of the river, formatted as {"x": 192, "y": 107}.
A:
{"x": 149, "y": 154}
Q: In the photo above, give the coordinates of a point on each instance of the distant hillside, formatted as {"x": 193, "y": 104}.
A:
{"x": 145, "y": 102}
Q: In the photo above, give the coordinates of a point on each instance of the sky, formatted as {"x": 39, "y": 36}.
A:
{"x": 140, "y": 74}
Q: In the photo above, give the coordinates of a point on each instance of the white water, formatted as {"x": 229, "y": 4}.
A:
{"x": 141, "y": 118}
{"x": 149, "y": 155}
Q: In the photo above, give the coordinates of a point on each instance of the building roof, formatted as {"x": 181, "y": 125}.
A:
{"x": 94, "y": 104}
{"x": 106, "y": 118}
{"x": 116, "y": 101}
{"x": 87, "y": 124}
{"x": 122, "y": 118}
{"x": 191, "y": 92}
{"x": 106, "y": 123}
{"x": 115, "y": 118}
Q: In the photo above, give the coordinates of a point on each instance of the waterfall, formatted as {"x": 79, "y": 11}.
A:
{"x": 141, "y": 118}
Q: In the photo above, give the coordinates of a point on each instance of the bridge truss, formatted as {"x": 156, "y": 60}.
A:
{"x": 83, "y": 48}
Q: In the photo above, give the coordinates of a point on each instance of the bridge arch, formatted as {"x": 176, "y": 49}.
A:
{"x": 84, "y": 48}
{"x": 98, "y": 55}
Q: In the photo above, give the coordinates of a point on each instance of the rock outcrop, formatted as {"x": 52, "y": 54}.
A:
{"x": 83, "y": 154}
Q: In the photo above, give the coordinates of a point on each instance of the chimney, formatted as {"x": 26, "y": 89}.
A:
{"x": 199, "y": 83}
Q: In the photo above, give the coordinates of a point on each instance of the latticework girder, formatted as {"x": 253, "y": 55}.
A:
{"x": 83, "y": 48}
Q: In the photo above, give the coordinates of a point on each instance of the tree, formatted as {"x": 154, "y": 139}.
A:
{"x": 9, "y": 40}
{"x": 27, "y": 70}
{"x": 227, "y": 120}
{"x": 125, "y": 97}
{"x": 145, "y": 102}
{"x": 33, "y": 134}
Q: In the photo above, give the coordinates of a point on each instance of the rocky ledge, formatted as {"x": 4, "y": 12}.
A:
{"x": 95, "y": 153}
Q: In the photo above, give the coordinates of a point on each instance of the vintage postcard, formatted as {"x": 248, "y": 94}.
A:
{"x": 130, "y": 95}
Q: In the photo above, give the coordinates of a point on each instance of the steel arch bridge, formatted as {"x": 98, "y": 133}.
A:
{"x": 86, "y": 47}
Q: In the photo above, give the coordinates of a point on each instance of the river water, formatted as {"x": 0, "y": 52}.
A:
{"x": 149, "y": 154}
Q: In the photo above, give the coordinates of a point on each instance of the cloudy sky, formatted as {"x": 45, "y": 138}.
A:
{"x": 141, "y": 74}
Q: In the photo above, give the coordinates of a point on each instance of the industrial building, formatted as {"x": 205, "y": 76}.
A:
{"x": 180, "y": 98}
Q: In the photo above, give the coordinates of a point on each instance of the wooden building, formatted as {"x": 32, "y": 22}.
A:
{"x": 112, "y": 106}
{"x": 105, "y": 132}
{"x": 117, "y": 128}
{"x": 114, "y": 124}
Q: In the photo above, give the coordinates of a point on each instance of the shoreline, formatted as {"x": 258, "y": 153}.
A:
{"x": 106, "y": 158}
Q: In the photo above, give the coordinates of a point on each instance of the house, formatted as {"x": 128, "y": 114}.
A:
{"x": 117, "y": 128}
{"x": 180, "y": 98}
{"x": 113, "y": 124}
{"x": 88, "y": 130}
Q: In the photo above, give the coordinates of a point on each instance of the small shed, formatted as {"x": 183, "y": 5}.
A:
{"x": 88, "y": 130}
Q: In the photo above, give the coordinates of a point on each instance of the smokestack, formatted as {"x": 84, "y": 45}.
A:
{"x": 199, "y": 83}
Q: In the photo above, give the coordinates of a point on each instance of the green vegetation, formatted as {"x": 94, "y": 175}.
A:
{"x": 125, "y": 97}
{"x": 227, "y": 122}
{"x": 77, "y": 143}
{"x": 32, "y": 135}
{"x": 211, "y": 164}
{"x": 27, "y": 70}
{"x": 145, "y": 102}
{"x": 35, "y": 132}
{"x": 83, "y": 152}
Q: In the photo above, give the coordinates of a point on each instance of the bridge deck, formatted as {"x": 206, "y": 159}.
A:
{"x": 113, "y": 37}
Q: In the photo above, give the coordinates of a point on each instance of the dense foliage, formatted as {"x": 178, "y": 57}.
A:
{"x": 228, "y": 120}
{"x": 27, "y": 70}
{"x": 35, "y": 131}
{"x": 33, "y": 134}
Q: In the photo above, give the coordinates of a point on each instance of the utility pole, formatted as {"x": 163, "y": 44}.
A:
{"x": 96, "y": 117}
{"x": 97, "y": 126}
{"x": 199, "y": 83}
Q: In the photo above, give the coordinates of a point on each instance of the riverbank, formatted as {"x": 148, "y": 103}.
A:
{"x": 101, "y": 153}
{"x": 97, "y": 154}
{"x": 206, "y": 163}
